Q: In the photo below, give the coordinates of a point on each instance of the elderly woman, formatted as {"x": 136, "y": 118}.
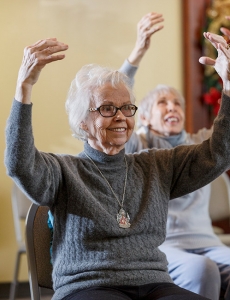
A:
{"x": 110, "y": 209}
{"x": 198, "y": 260}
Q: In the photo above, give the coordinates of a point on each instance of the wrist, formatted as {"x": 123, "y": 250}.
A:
{"x": 136, "y": 56}
{"x": 226, "y": 88}
{"x": 23, "y": 92}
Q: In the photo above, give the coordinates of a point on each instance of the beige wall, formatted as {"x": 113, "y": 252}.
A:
{"x": 97, "y": 31}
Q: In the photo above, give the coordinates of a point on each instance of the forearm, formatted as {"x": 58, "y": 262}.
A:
{"x": 136, "y": 56}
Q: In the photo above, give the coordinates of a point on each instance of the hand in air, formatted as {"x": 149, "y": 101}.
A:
{"x": 146, "y": 27}
{"x": 36, "y": 57}
{"x": 222, "y": 62}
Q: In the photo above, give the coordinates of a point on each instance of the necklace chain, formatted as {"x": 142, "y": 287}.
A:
{"x": 123, "y": 197}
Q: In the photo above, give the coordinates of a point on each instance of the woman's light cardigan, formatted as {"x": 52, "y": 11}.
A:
{"x": 89, "y": 248}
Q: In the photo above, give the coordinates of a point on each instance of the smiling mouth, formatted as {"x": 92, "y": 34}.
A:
{"x": 118, "y": 129}
{"x": 172, "y": 120}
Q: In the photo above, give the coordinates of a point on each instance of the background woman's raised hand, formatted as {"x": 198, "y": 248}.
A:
{"x": 35, "y": 58}
{"x": 146, "y": 27}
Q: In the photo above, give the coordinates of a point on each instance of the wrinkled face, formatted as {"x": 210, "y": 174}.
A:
{"x": 167, "y": 115}
{"x": 111, "y": 133}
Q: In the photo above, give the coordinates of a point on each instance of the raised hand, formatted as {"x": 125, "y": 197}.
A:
{"x": 222, "y": 62}
{"x": 146, "y": 27}
{"x": 35, "y": 58}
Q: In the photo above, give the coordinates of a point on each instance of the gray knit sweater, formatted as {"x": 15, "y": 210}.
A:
{"x": 189, "y": 225}
{"x": 89, "y": 248}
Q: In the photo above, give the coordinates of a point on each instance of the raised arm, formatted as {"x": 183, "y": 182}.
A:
{"x": 35, "y": 58}
{"x": 146, "y": 27}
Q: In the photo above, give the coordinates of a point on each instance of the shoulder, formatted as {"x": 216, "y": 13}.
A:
{"x": 201, "y": 135}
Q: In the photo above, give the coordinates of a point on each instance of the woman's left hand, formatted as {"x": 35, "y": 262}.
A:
{"x": 222, "y": 62}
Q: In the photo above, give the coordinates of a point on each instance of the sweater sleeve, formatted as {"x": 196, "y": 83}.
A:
{"x": 24, "y": 163}
{"x": 194, "y": 166}
{"x": 129, "y": 70}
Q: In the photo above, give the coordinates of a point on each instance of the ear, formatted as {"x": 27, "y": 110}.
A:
{"x": 84, "y": 126}
{"x": 144, "y": 121}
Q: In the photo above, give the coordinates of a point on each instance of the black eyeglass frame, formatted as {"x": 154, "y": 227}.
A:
{"x": 92, "y": 109}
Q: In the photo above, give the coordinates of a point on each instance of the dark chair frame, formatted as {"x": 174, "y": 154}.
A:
{"x": 38, "y": 239}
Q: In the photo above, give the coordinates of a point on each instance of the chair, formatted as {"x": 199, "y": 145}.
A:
{"x": 38, "y": 238}
{"x": 20, "y": 207}
{"x": 219, "y": 207}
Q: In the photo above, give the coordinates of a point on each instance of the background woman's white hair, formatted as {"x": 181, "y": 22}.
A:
{"x": 146, "y": 104}
{"x": 81, "y": 91}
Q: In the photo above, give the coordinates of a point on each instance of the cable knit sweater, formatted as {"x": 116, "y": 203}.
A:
{"x": 89, "y": 248}
{"x": 188, "y": 224}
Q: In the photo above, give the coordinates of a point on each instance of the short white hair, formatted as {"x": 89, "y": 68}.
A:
{"x": 81, "y": 91}
{"x": 146, "y": 104}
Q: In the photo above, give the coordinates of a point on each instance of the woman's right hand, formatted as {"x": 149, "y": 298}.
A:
{"x": 35, "y": 58}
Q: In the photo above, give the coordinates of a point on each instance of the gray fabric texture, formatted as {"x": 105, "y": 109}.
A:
{"x": 89, "y": 248}
{"x": 188, "y": 225}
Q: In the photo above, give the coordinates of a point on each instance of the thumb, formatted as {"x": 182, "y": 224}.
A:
{"x": 204, "y": 60}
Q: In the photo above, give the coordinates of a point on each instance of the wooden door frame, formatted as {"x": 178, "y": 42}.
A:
{"x": 193, "y": 20}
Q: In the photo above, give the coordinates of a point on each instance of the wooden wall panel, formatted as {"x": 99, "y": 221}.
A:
{"x": 197, "y": 115}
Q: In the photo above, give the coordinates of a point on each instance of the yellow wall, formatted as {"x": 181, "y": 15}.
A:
{"x": 97, "y": 31}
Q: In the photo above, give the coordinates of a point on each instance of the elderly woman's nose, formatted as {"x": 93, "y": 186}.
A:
{"x": 171, "y": 106}
{"x": 119, "y": 115}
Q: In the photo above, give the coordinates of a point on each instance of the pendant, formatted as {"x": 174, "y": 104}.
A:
{"x": 123, "y": 219}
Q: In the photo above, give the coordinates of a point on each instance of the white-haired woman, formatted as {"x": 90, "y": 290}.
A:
{"x": 197, "y": 259}
{"x": 109, "y": 208}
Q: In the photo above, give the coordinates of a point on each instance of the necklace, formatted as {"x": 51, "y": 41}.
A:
{"x": 122, "y": 217}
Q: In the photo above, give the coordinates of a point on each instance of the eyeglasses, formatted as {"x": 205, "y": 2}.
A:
{"x": 107, "y": 111}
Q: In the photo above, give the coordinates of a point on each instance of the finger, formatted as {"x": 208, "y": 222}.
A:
{"x": 151, "y": 16}
{"x": 43, "y": 44}
{"x": 225, "y": 31}
{"x": 155, "y": 29}
{"x": 154, "y": 21}
{"x": 215, "y": 39}
{"x": 225, "y": 50}
{"x": 149, "y": 20}
{"x": 204, "y": 60}
{"x": 227, "y": 17}
{"x": 54, "y": 49}
{"x": 40, "y": 42}
{"x": 50, "y": 58}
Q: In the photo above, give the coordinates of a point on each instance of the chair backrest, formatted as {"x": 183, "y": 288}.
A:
{"x": 20, "y": 207}
{"x": 38, "y": 239}
{"x": 219, "y": 207}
